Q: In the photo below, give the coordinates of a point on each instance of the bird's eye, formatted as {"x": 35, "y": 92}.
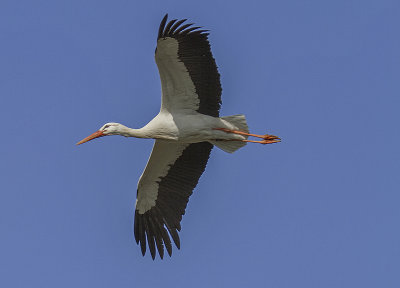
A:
{"x": 105, "y": 127}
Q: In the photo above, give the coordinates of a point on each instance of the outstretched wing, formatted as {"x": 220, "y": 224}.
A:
{"x": 168, "y": 180}
{"x": 189, "y": 75}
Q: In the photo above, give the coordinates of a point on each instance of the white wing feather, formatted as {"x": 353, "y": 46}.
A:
{"x": 163, "y": 155}
{"x": 178, "y": 90}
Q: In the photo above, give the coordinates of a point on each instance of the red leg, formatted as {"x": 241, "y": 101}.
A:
{"x": 263, "y": 141}
{"x": 268, "y": 139}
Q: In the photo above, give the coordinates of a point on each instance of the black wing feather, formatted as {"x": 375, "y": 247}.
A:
{"x": 162, "y": 25}
{"x": 172, "y": 199}
{"x": 176, "y": 25}
{"x": 169, "y": 25}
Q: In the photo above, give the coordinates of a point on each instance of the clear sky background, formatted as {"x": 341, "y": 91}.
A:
{"x": 320, "y": 209}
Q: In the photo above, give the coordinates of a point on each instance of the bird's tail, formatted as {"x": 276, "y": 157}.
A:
{"x": 238, "y": 121}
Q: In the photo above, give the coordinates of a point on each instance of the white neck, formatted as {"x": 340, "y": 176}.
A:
{"x": 129, "y": 132}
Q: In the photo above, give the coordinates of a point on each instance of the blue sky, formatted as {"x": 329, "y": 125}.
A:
{"x": 320, "y": 209}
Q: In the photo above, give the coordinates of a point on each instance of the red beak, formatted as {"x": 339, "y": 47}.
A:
{"x": 91, "y": 137}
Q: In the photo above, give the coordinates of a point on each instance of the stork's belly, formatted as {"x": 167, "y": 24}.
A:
{"x": 190, "y": 128}
{"x": 196, "y": 128}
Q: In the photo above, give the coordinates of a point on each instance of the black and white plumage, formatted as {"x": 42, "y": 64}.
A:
{"x": 185, "y": 130}
{"x": 188, "y": 45}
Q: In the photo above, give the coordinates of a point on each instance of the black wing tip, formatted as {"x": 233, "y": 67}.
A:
{"x": 165, "y": 18}
{"x": 151, "y": 234}
{"x": 176, "y": 31}
{"x": 162, "y": 25}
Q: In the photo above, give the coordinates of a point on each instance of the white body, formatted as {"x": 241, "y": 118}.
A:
{"x": 190, "y": 128}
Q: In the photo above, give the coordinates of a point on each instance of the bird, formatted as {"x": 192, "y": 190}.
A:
{"x": 185, "y": 130}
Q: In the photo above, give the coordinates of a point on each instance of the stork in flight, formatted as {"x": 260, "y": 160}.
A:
{"x": 185, "y": 130}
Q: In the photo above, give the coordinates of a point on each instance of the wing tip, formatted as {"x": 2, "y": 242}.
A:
{"x": 174, "y": 28}
{"x": 162, "y": 25}
{"x": 151, "y": 233}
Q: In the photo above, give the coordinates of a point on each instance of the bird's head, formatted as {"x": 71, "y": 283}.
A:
{"x": 107, "y": 129}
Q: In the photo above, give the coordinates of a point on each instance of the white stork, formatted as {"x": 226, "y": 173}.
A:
{"x": 185, "y": 130}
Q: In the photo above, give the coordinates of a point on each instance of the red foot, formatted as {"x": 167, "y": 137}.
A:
{"x": 271, "y": 137}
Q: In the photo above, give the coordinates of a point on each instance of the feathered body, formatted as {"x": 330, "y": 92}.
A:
{"x": 185, "y": 130}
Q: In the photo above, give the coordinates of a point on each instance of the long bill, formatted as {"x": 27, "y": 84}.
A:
{"x": 91, "y": 137}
